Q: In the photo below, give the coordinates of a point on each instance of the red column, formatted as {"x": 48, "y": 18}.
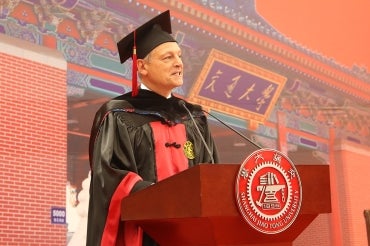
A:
{"x": 336, "y": 226}
{"x": 281, "y": 131}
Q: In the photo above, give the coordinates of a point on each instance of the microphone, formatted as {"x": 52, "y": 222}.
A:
{"x": 182, "y": 104}
{"x": 234, "y": 130}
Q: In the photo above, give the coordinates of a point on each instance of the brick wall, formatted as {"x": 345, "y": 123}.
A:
{"x": 351, "y": 186}
{"x": 33, "y": 143}
{"x": 353, "y": 172}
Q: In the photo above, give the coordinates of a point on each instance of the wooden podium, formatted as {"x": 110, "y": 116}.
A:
{"x": 198, "y": 207}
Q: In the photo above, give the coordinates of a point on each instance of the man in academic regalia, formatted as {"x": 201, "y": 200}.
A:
{"x": 143, "y": 137}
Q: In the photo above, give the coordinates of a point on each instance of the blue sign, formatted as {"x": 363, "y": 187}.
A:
{"x": 233, "y": 86}
{"x": 239, "y": 88}
{"x": 58, "y": 215}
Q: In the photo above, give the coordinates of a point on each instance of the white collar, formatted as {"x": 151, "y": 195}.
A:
{"x": 144, "y": 87}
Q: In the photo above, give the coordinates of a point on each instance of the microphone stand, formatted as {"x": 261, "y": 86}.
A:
{"x": 234, "y": 130}
{"x": 182, "y": 104}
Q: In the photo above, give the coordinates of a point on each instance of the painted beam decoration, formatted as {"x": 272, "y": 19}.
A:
{"x": 234, "y": 86}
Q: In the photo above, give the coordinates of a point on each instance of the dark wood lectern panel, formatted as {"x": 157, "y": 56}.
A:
{"x": 198, "y": 207}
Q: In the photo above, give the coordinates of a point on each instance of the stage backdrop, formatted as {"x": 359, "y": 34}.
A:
{"x": 247, "y": 62}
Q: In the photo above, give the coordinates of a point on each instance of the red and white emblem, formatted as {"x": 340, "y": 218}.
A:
{"x": 268, "y": 191}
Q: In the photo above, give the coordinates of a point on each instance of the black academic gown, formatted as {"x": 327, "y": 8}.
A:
{"x": 135, "y": 142}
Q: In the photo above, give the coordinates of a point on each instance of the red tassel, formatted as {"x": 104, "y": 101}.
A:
{"x": 134, "y": 69}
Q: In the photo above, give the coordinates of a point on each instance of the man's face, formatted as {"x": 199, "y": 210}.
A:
{"x": 162, "y": 70}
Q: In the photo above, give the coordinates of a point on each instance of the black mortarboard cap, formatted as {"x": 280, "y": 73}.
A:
{"x": 148, "y": 36}
{"x": 143, "y": 40}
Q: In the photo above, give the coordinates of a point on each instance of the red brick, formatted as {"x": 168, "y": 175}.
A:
{"x": 33, "y": 151}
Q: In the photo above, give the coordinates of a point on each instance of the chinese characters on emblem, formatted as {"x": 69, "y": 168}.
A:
{"x": 269, "y": 185}
{"x": 268, "y": 189}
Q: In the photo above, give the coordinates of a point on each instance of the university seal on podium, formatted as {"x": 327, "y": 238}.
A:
{"x": 268, "y": 191}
